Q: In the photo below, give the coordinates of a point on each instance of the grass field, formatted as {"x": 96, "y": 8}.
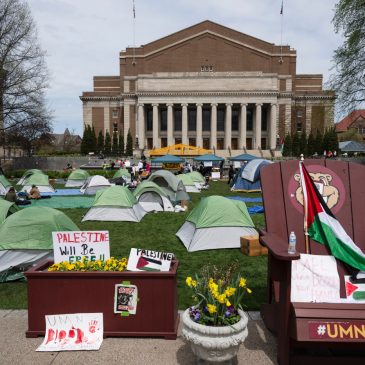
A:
{"x": 157, "y": 232}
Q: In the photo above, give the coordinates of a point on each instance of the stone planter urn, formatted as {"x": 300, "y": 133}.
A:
{"x": 214, "y": 344}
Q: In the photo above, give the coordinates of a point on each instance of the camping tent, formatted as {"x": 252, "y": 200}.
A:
{"x": 216, "y": 222}
{"x": 189, "y": 184}
{"x": 93, "y": 184}
{"x": 26, "y": 237}
{"x": 115, "y": 204}
{"x": 40, "y": 180}
{"x": 6, "y": 209}
{"x": 251, "y": 172}
{"x": 152, "y": 197}
{"x": 28, "y": 174}
{"x": 4, "y": 185}
{"x": 77, "y": 178}
{"x": 198, "y": 179}
{"x": 124, "y": 173}
{"x": 170, "y": 184}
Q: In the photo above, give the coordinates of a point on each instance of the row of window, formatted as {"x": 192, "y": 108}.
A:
{"x": 206, "y": 119}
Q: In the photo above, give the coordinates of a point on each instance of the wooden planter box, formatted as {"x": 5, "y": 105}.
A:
{"x": 91, "y": 292}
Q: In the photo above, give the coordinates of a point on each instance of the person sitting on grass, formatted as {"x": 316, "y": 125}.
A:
{"x": 10, "y": 196}
{"x": 34, "y": 193}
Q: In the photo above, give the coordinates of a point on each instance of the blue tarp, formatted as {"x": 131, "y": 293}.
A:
{"x": 255, "y": 209}
{"x": 64, "y": 192}
{"x": 246, "y": 200}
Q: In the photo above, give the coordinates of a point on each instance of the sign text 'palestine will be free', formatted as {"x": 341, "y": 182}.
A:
{"x": 73, "y": 246}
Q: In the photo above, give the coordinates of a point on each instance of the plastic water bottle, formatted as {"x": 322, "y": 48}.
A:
{"x": 292, "y": 243}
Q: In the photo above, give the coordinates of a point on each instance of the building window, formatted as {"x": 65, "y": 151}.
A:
{"x": 115, "y": 113}
{"x": 221, "y": 113}
{"x": 192, "y": 142}
{"x": 220, "y": 143}
{"x": 263, "y": 143}
{"x": 299, "y": 126}
{"x": 163, "y": 119}
{"x": 178, "y": 140}
{"x": 234, "y": 144}
{"x": 299, "y": 113}
{"x": 264, "y": 119}
{"x": 235, "y": 118}
{"x": 249, "y": 120}
{"x": 149, "y": 119}
{"x": 149, "y": 143}
{"x": 206, "y": 118}
{"x": 192, "y": 118}
{"x": 206, "y": 68}
{"x": 177, "y": 119}
{"x": 206, "y": 142}
{"x": 115, "y": 127}
{"x": 249, "y": 143}
{"x": 163, "y": 142}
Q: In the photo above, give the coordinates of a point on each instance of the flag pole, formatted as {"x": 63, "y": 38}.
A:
{"x": 307, "y": 247}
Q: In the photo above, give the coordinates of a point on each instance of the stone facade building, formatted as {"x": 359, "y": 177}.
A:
{"x": 209, "y": 86}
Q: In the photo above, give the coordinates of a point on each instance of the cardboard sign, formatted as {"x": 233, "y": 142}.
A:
{"x": 147, "y": 260}
{"x": 70, "y": 332}
{"x": 125, "y": 298}
{"x": 73, "y": 246}
{"x": 315, "y": 278}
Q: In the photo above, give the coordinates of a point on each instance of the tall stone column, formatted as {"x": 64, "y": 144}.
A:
{"x": 228, "y": 127}
{"x": 258, "y": 126}
{"x": 199, "y": 125}
{"x": 213, "y": 126}
{"x": 184, "y": 128}
{"x": 170, "y": 128}
{"x": 273, "y": 127}
{"x": 141, "y": 126}
{"x": 155, "y": 139}
{"x": 243, "y": 126}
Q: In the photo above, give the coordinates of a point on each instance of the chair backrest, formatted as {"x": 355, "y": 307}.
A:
{"x": 341, "y": 183}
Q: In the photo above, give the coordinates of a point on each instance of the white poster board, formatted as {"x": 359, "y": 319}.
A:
{"x": 125, "y": 298}
{"x": 314, "y": 278}
{"x": 70, "y": 332}
{"x": 216, "y": 175}
{"x": 72, "y": 246}
{"x": 237, "y": 164}
{"x": 208, "y": 163}
{"x": 148, "y": 260}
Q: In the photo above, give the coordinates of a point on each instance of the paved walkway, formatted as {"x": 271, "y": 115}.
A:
{"x": 258, "y": 349}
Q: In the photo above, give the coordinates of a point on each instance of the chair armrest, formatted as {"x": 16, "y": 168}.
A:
{"x": 277, "y": 247}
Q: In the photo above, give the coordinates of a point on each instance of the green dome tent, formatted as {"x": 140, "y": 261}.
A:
{"x": 197, "y": 177}
{"x": 124, "y": 173}
{"x": 188, "y": 183}
{"x": 6, "y": 209}
{"x": 152, "y": 197}
{"x": 4, "y": 185}
{"x": 216, "y": 222}
{"x": 28, "y": 174}
{"x": 26, "y": 237}
{"x": 116, "y": 203}
{"x": 77, "y": 178}
{"x": 40, "y": 180}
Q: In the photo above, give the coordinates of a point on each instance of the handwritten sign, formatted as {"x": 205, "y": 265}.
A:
{"x": 73, "y": 246}
{"x": 315, "y": 278}
{"x": 125, "y": 298}
{"x": 147, "y": 260}
{"x": 65, "y": 332}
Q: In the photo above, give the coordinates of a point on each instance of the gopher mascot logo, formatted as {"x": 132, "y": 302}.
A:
{"x": 328, "y": 184}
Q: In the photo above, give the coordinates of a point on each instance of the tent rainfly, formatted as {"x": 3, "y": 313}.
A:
{"x": 6, "y": 209}
{"x": 27, "y": 174}
{"x": 93, "y": 184}
{"x": 77, "y": 178}
{"x": 251, "y": 172}
{"x": 168, "y": 159}
{"x": 216, "y": 222}
{"x": 152, "y": 198}
{"x": 26, "y": 237}
{"x": 4, "y": 185}
{"x": 208, "y": 157}
{"x": 40, "y": 180}
{"x": 124, "y": 173}
{"x": 189, "y": 184}
{"x": 170, "y": 184}
{"x": 116, "y": 203}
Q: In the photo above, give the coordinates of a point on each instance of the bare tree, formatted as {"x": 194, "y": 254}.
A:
{"x": 23, "y": 73}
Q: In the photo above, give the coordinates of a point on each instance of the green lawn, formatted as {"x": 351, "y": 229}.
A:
{"x": 157, "y": 232}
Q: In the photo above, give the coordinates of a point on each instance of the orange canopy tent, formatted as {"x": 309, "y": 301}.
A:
{"x": 179, "y": 150}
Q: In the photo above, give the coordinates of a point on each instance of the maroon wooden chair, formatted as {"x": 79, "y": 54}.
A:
{"x": 295, "y": 324}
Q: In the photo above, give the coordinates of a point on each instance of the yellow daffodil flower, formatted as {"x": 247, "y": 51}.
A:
{"x": 242, "y": 283}
{"x": 211, "y": 308}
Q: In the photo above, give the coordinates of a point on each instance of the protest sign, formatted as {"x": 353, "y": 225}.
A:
{"x": 73, "y": 246}
{"x": 65, "y": 332}
{"x": 147, "y": 260}
{"x": 315, "y": 278}
{"x": 125, "y": 298}
{"x": 355, "y": 292}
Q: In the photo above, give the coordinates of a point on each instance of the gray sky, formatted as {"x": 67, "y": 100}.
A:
{"x": 83, "y": 38}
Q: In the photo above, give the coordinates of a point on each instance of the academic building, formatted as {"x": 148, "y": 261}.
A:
{"x": 209, "y": 86}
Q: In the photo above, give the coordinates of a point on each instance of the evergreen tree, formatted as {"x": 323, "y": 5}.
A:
{"x": 129, "y": 146}
{"x": 100, "y": 143}
{"x": 115, "y": 148}
{"x": 296, "y": 145}
{"x": 327, "y": 141}
{"x": 311, "y": 145}
{"x": 107, "y": 144}
{"x": 303, "y": 143}
{"x": 319, "y": 143}
{"x": 334, "y": 140}
{"x": 121, "y": 144}
{"x": 84, "y": 141}
{"x": 287, "y": 145}
{"x": 93, "y": 140}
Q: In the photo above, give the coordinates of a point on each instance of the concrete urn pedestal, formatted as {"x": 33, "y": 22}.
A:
{"x": 214, "y": 344}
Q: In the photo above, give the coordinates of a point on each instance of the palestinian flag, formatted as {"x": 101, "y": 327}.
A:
{"x": 323, "y": 227}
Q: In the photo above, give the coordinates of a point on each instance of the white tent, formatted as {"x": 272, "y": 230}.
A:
{"x": 115, "y": 204}
{"x": 93, "y": 184}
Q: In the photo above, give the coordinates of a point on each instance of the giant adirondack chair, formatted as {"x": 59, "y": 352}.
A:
{"x": 344, "y": 185}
